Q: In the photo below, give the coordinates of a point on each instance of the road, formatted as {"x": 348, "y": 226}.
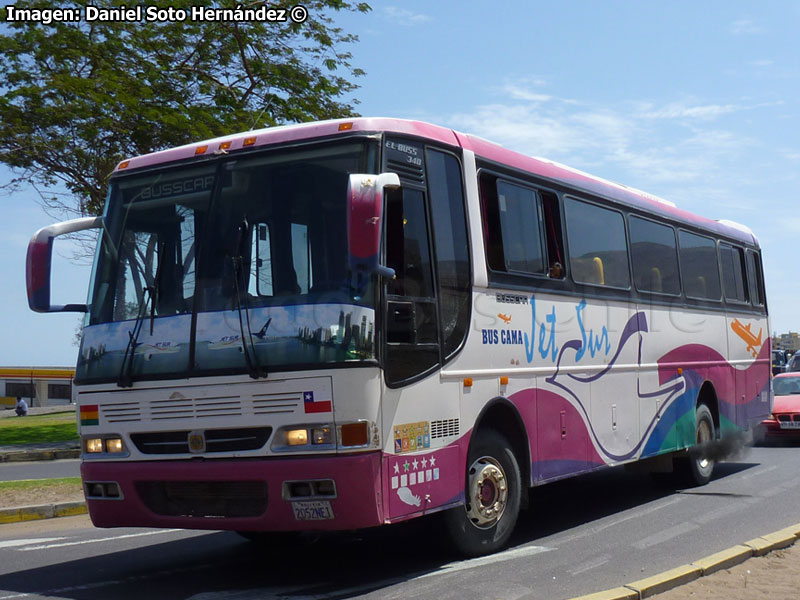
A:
{"x": 581, "y": 535}
{"x": 47, "y": 469}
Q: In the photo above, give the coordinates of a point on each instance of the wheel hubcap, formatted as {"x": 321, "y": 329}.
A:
{"x": 703, "y": 437}
{"x": 487, "y": 492}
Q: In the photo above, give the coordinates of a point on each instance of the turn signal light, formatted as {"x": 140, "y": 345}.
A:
{"x": 355, "y": 434}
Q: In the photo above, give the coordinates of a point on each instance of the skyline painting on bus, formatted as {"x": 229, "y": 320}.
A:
{"x": 279, "y": 335}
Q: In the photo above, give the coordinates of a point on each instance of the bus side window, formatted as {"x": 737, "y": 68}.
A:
{"x": 452, "y": 247}
{"x": 699, "y": 269}
{"x": 655, "y": 257}
{"x": 755, "y": 277}
{"x": 733, "y": 278}
{"x": 598, "y": 250}
{"x": 522, "y": 228}
{"x": 411, "y": 322}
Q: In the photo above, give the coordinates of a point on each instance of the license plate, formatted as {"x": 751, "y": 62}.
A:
{"x": 789, "y": 424}
{"x": 316, "y": 510}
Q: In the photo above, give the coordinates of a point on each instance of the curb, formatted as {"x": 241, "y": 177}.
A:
{"x": 42, "y": 511}
{"x": 36, "y": 455}
{"x": 650, "y": 586}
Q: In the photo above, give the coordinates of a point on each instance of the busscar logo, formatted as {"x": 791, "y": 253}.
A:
{"x": 167, "y": 189}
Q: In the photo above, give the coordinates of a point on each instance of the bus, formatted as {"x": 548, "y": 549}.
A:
{"x": 349, "y": 323}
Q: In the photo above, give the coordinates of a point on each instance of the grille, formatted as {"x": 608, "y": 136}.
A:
{"x": 275, "y": 404}
{"x": 214, "y": 499}
{"x": 788, "y": 418}
{"x": 200, "y": 408}
{"x": 183, "y": 408}
{"x": 445, "y": 428}
{"x": 217, "y": 440}
{"x": 406, "y": 172}
{"x": 121, "y": 412}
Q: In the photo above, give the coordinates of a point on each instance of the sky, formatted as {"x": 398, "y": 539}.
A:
{"x": 695, "y": 102}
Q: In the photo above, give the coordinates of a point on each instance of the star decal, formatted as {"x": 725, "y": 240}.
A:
{"x": 405, "y": 466}
{"x": 433, "y": 461}
{"x": 416, "y": 464}
{"x": 396, "y": 468}
{"x": 424, "y": 462}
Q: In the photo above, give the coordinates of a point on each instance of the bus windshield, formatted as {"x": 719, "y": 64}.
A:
{"x": 237, "y": 265}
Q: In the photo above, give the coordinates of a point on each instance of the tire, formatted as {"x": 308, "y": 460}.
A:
{"x": 493, "y": 491}
{"x": 697, "y": 468}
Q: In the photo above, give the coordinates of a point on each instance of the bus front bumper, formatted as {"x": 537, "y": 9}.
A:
{"x": 276, "y": 494}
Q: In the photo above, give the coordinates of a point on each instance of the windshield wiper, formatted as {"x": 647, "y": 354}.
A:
{"x": 254, "y": 368}
{"x": 149, "y": 296}
{"x": 126, "y": 370}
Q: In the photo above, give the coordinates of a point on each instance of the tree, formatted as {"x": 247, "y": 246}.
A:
{"x": 76, "y": 97}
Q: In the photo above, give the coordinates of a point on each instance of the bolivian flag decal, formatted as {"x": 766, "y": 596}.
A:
{"x": 89, "y": 415}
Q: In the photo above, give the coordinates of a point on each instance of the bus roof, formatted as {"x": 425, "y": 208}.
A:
{"x": 543, "y": 168}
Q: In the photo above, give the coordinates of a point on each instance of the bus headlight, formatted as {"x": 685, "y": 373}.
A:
{"x": 326, "y": 436}
{"x": 114, "y": 445}
{"x": 93, "y": 445}
{"x": 321, "y": 435}
{"x": 316, "y": 436}
{"x": 107, "y": 444}
{"x": 297, "y": 437}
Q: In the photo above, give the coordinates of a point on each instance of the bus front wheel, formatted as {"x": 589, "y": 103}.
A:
{"x": 493, "y": 492}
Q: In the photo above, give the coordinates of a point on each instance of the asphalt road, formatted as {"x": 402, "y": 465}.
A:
{"x": 14, "y": 471}
{"x": 581, "y": 535}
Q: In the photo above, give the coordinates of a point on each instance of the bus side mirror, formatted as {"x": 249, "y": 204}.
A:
{"x": 364, "y": 214}
{"x": 37, "y": 267}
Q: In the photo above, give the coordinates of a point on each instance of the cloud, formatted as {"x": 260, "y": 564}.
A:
{"x": 407, "y": 18}
{"x": 671, "y": 148}
{"x": 680, "y": 110}
{"x": 745, "y": 27}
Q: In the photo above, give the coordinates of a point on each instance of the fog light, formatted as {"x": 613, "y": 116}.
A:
{"x": 297, "y": 437}
{"x": 113, "y": 445}
{"x": 94, "y": 490}
{"x": 94, "y": 445}
{"x": 326, "y": 487}
{"x": 111, "y": 490}
{"x": 321, "y": 435}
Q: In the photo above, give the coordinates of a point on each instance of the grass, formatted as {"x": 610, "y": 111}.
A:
{"x": 53, "y": 427}
{"x": 32, "y": 484}
{"x": 40, "y": 491}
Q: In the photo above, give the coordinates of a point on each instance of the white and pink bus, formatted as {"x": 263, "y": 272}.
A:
{"x": 343, "y": 324}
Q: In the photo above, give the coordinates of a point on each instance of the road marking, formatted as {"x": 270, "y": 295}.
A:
{"x": 758, "y": 472}
{"x": 719, "y": 513}
{"x": 596, "y": 562}
{"x": 664, "y": 535}
{"x": 27, "y": 542}
{"x": 95, "y": 541}
{"x": 462, "y": 565}
{"x": 293, "y": 592}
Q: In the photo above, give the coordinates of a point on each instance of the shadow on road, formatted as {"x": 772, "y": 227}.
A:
{"x": 224, "y": 566}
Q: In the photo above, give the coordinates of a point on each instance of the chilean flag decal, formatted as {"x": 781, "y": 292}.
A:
{"x": 310, "y": 406}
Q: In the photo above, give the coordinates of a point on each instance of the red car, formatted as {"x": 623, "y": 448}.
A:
{"x": 785, "y": 419}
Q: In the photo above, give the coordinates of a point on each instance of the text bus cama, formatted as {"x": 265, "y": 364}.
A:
{"x": 349, "y": 323}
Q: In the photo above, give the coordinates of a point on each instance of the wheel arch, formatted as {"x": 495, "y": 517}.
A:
{"x": 708, "y": 396}
{"x": 502, "y": 416}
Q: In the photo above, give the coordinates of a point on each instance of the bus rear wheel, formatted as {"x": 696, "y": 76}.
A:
{"x": 492, "y": 497}
{"x": 698, "y": 467}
